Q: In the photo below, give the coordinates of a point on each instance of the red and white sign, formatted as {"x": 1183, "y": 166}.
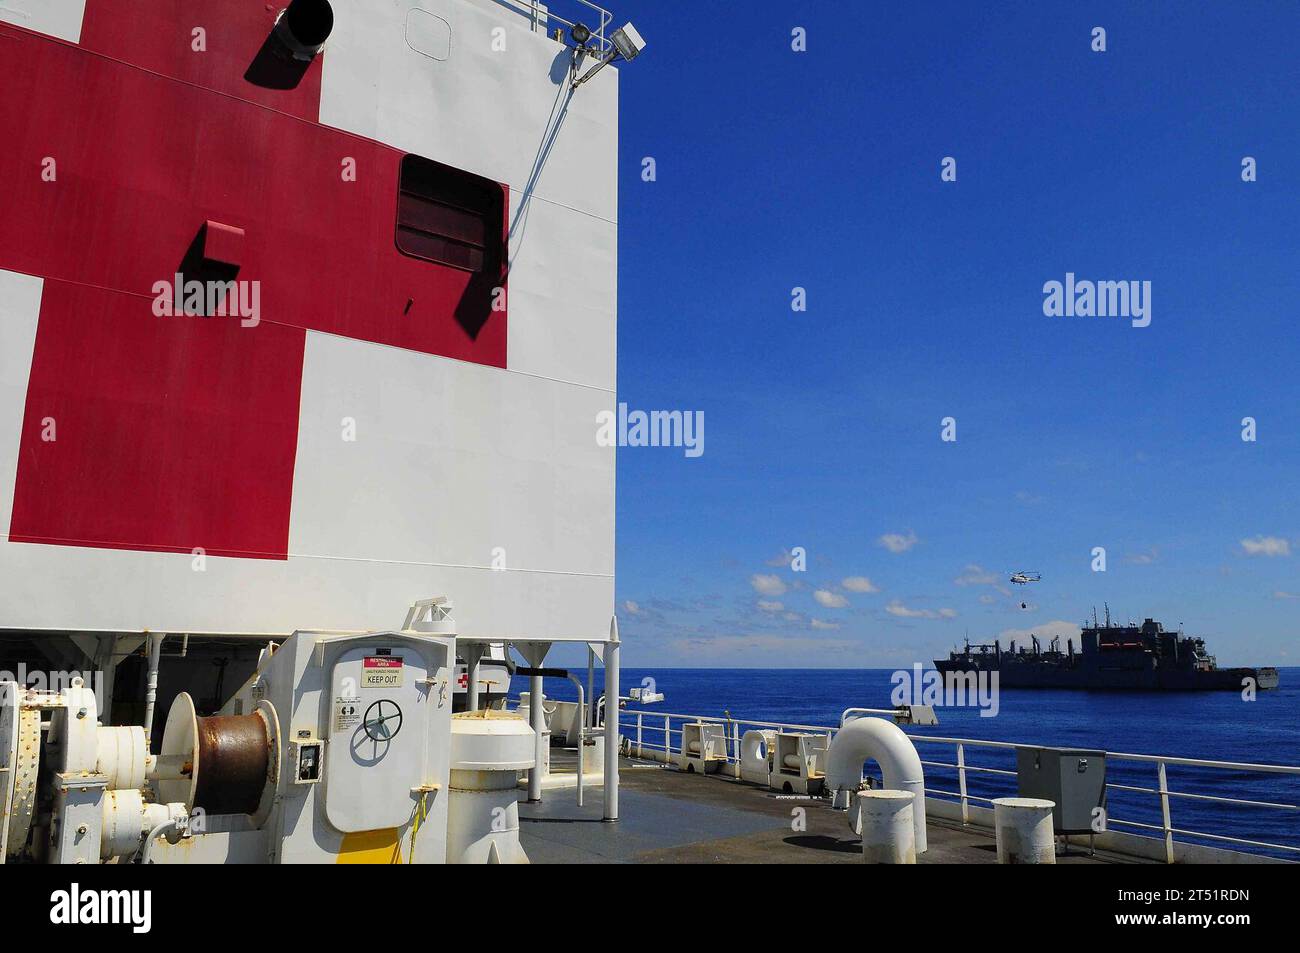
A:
{"x": 381, "y": 671}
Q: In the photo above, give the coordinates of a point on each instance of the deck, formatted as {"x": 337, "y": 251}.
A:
{"x": 670, "y": 817}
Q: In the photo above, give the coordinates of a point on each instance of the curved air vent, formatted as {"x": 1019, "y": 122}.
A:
{"x": 299, "y": 35}
{"x": 305, "y": 26}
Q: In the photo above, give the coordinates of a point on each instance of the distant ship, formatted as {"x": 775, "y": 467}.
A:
{"x": 1141, "y": 657}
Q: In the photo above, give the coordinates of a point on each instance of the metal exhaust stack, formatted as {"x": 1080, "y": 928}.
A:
{"x": 304, "y": 26}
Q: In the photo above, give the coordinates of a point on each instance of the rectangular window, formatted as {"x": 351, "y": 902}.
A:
{"x": 450, "y": 217}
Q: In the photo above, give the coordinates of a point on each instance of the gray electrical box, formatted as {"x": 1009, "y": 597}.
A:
{"x": 1073, "y": 778}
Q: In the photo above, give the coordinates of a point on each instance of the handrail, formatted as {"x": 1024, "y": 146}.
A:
{"x": 543, "y": 13}
{"x": 1125, "y": 756}
{"x": 636, "y": 718}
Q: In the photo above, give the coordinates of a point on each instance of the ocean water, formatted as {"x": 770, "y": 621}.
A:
{"x": 1216, "y": 726}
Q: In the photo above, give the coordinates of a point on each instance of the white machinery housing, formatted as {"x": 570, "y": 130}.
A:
{"x": 704, "y": 747}
{"x": 69, "y": 791}
{"x": 488, "y": 750}
{"x": 798, "y": 767}
{"x": 361, "y": 758}
{"x": 342, "y": 747}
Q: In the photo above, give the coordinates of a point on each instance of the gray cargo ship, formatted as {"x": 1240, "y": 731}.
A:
{"x": 1113, "y": 656}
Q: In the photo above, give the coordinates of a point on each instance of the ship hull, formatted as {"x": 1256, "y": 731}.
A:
{"x": 1032, "y": 676}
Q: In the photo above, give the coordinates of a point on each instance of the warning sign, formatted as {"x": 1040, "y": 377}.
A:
{"x": 381, "y": 671}
{"x": 347, "y": 713}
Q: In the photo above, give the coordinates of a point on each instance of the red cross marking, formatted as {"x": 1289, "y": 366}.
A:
{"x": 177, "y": 433}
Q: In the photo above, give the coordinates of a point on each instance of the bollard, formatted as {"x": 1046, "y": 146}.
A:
{"x": 1023, "y": 826}
{"x": 888, "y": 831}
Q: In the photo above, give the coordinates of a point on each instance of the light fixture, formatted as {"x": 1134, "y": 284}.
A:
{"x": 580, "y": 33}
{"x": 627, "y": 44}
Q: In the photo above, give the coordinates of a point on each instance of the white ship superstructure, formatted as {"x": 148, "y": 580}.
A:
{"x": 400, "y": 219}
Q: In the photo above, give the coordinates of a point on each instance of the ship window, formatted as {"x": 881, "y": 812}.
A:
{"x": 448, "y": 216}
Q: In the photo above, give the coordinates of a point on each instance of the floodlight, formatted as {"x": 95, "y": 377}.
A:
{"x": 628, "y": 42}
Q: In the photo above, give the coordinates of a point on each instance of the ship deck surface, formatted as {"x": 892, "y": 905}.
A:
{"x": 667, "y": 816}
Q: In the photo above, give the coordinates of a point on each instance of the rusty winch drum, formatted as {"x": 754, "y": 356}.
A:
{"x": 222, "y": 764}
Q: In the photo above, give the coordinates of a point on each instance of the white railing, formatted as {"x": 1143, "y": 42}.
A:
{"x": 543, "y": 15}
{"x": 653, "y": 731}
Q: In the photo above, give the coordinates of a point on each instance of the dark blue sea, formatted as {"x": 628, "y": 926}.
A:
{"x": 1217, "y": 726}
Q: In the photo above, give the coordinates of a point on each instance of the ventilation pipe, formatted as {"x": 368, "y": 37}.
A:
{"x": 155, "y": 642}
{"x": 874, "y": 739}
{"x": 304, "y": 26}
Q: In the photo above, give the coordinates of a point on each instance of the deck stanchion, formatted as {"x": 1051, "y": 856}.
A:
{"x": 1164, "y": 813}
{"x": 536, "y": 718}
{"x": 590, "y": 713}
{"x": 611, "y": 722}
{"x": 961, "y": 783}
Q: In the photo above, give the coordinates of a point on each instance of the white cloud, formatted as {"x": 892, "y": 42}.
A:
{"x": 897, "y": 608}
{"x": 819, "y": 624}
{"x": 831, "y": 600}
{"x": 769, "y": 606}
{"x": 1143, "y": 559}
{"x": 897, "y": 542}
{"x": 767, "y": 584}
{"x": 1285, "y": 595}
{"x": 859, "y": 584}
{"x": 987, "y": 600}
{"x": 782, "y": 558}
{"x": 974, "y": 575}
{"x": 1266, "y": 546}
{"x": 631, "y": 608}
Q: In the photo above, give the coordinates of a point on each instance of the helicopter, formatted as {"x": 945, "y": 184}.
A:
{"x": 1024, "y": 578}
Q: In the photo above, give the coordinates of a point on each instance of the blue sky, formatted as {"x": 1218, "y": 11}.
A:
{"x": 821, "y": 169}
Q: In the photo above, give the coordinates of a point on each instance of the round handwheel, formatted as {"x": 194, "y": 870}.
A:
{"x": 382, "y": 720}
